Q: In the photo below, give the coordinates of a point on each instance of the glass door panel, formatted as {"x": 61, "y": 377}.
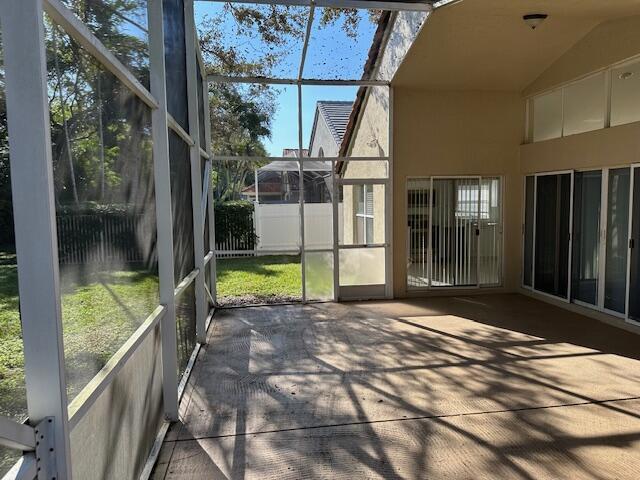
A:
{"x": 418, "y": 212}
{"x": 529, "y": 217}
{"x": 634, "y": 273}
{"x": 455, "y": 231}
{"x": 615, "y": 282}
{"x": 490, "y": 232}
{"x": 552, "y": 241}
{"x": 586, "y": 236}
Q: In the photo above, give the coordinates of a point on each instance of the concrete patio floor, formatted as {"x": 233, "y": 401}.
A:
{"x": 494, "y": 386}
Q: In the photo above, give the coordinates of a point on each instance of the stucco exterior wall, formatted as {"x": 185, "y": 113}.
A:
{"x": 458, "y": 133}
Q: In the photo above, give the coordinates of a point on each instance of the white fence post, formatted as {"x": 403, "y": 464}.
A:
{"x": 35, "y": 221}
{"x": 196, "y": 174}
{"x": 164, "y": 220}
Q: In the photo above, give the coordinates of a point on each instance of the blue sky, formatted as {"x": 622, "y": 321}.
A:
{"x": 331, "y": 54}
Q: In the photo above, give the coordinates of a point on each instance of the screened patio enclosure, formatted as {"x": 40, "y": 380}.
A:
{"x": 110, "y": 151}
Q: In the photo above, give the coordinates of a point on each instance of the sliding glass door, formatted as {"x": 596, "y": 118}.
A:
{"x": 454, "y": 234}
{"x": 552, "y": 237}
{"x": 586, "y": 223}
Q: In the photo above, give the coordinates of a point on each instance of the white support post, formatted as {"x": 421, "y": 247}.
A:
{"x": 210, "y": 206}
{"x": 388, "y": 208}
{"x": 301, "y": 196}
{"x": 164, "y": 220}
{"x": 196, "y": 173}
{"x": 35, "y": 222}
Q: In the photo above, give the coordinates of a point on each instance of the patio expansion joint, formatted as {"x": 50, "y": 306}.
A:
{"x": 413, "y": 418}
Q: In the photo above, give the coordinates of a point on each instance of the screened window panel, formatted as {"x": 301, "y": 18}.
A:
{"x": 362, "y": 266}
{"x": 181, "y": 207}
{"x": 586, "y": 236}
{"x": 201, "y": 108}
{"x": 553, "y": 199}
{"x": 318, "y": 206}
{"x": 584, "y": 105}
{"x": 547, "y": 116}
{"x": 615, "y": 287}
{"x": 625, "y": 94}
{"x": 122, "y": 27}
{"x": 185, "y": 327}
{"x": 105, "y": 207}
{"x": 319, "y": 275}
{"x": 13, "y": 402}
{"x": 362, "y": 214}
{"x": 529, "y": 219}
{"x": 175, "y": 55}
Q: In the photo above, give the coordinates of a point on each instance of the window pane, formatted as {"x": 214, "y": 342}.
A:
{"x": 530, "y": 200}
{"x": 584, "y": 105}
{"x": 105, "y": 207}
{"x": 625, "y": 94}
{"x": 615, "y": 287}
{"x": 586, "y": 236}
{"x": 547, "y": 116}
{"x": 121, "y": 27}
{"x": 13, "y": 403}
{"x": 362, "y": 266}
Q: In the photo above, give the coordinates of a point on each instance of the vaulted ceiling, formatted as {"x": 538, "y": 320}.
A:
{"x": 486, "y": 45}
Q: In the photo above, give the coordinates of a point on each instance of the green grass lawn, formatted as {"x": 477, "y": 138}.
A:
{"x": 100, "y": 311}
{"x": 265, "y": 279}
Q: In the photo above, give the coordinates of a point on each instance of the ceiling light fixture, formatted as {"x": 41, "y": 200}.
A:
{"x": 625, "y": 75}
{"x": 534, "y": 19}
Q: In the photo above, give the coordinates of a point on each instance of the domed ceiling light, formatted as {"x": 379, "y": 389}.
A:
{"x": 534, "y": 19}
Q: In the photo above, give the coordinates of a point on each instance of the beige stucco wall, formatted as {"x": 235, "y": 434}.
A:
{"x": 457, "y": 133}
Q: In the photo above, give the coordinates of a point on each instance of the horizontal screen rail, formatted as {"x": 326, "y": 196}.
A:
{"x": 81, "y": 34}
{"x": 416, "y": 6}
{"x": 181, "y": 132}
{"x": 16, "y": 436}
{"x": 182, "y": 286}
{"x": 292, "y": 81}
{"x": 244, "y": 158}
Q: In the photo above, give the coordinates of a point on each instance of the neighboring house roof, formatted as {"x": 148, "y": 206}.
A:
{"x": 336, "y": 115}
{"x": 294, "y": 166}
